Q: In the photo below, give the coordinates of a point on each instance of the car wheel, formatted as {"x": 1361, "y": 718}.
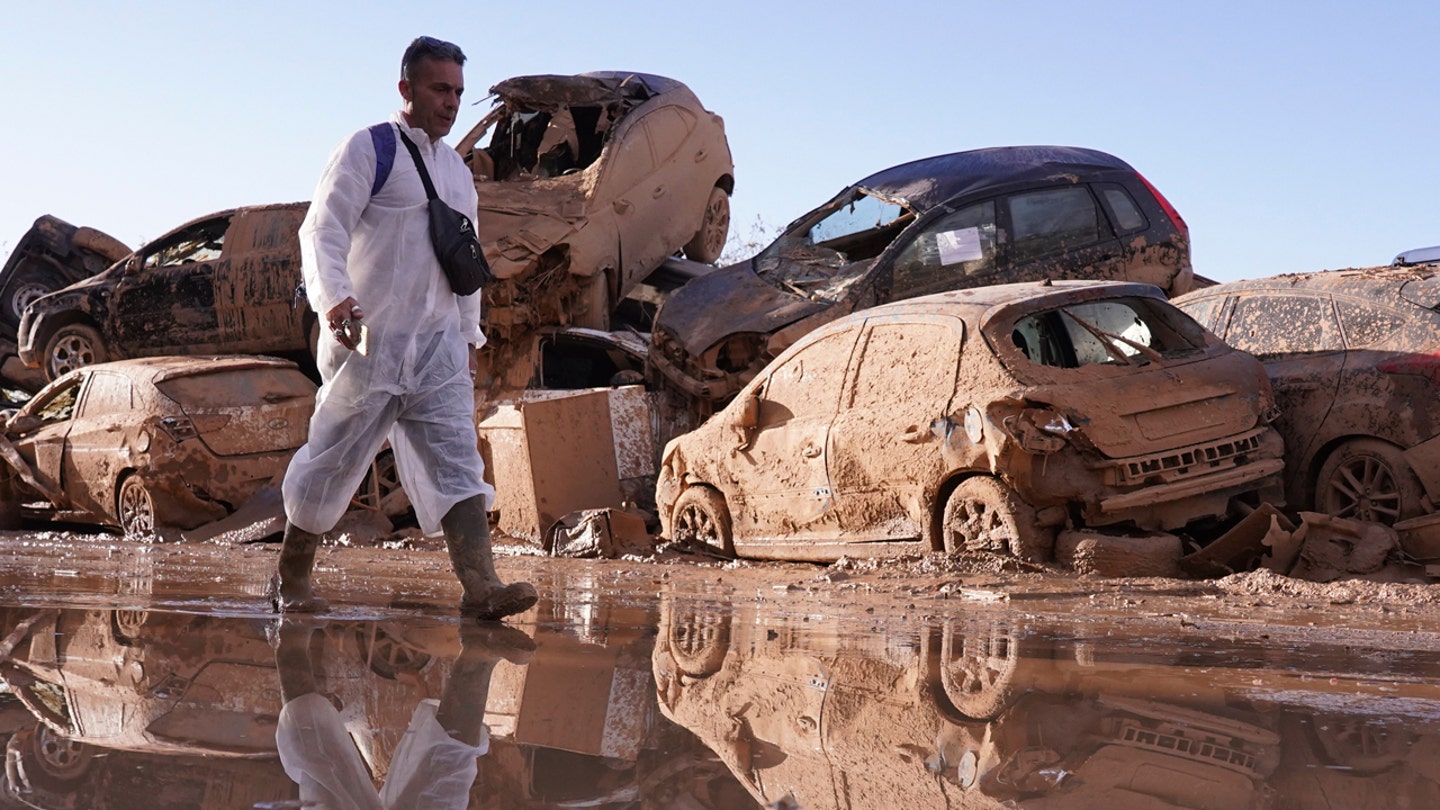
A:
{"x": 388, "y": 656}
{"x": 1368, "y": 479}
{"x": 977, "y": 669}
{"x": 701, "y": 516}
{"x": 25, "y": 290}
{"x": 135, "y": 509}
{"x": 52, "y": 762}
{"x": 698, "y": 639}
{"x": 74, "y": 345}
{"x": 984, "y": 514}
{"x": 709, "y": 242}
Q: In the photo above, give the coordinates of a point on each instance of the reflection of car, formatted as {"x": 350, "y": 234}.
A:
{"x": 987, "y": 216}
{"x": 985, "y": 711}
{"x": 977, "y": 419}
{"x": 51, "y": 255}
{"x": 586, "y": 185}
{"x": 169, "y": 441}
{"x": 1351, "y": 355}
{"x": 222, "y": 283}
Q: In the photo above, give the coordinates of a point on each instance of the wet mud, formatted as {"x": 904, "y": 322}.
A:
{"x": 142, "y": 675}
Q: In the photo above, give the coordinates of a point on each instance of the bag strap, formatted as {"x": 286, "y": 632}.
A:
{"x": 420, "y": 166}
{"x": 383, "y": 136}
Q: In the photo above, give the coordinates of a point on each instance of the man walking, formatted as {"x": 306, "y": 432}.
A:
{"x": 401, "y": 359}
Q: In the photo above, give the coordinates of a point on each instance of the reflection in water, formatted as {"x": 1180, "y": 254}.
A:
{"x": 1009, "y": 712}
{"x": 434, "y": 765}
{"x": 724, "y": 707}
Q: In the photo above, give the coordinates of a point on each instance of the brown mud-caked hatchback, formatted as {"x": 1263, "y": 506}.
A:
{"x": 983, "y": 419}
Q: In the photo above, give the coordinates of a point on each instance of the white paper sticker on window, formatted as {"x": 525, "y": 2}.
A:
{"x": 959, "y": 246}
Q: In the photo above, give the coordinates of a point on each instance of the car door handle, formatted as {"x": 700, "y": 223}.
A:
{"x": 622, "y": 206}
{"x": 810, "y": 451}
{"x": 915, "y": 434}
{"x": 658, "y": 192}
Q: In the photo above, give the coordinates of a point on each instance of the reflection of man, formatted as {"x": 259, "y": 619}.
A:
{"x": 367, "y": 243}
{"x": 434, "y": 765}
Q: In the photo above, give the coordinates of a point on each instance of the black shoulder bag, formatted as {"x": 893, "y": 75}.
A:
{"x": 457, "y": 246}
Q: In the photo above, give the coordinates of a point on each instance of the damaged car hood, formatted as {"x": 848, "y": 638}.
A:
{"x": 730, "y": 301}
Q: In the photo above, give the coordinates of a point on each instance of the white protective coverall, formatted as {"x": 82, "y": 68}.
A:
{"x": 414, "y": 384}
{"x": 430, "y": 770}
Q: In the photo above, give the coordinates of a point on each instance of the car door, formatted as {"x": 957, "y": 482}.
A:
{"x": 951, "y": 251}
{"x": 255, "y": 283}
{"x": 782, "y": 470}
{"x": 98, "y": 447}
{"x": 41, "y": 437}
{"x": 1297, "y": 335}
{"x": 1057, "y": 232}
{"x": 883, "y": 454}
{"x": 636, "y": 198}
{"x": 165, "y": 301}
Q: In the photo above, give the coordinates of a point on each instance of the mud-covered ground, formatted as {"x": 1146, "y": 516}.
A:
{"x": 408, "y": 571}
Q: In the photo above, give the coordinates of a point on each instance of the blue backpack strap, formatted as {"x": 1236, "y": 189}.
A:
{"x": 383, "y": 136}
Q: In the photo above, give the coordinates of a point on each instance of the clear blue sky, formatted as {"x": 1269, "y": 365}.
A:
{"x": 1291, "y": 136}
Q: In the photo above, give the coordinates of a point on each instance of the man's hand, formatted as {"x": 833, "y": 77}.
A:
{"x": 343, "y": 320}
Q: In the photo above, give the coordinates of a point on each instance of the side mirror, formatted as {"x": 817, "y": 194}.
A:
{"x": 749, "y": 415}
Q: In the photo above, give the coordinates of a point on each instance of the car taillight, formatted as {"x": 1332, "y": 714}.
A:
{"x": 1165, "y": 205}
{"x": 178, "y": 428}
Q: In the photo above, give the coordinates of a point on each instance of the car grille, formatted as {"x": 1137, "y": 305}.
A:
{"x": 1207, "y": 749}
{"x": 1187, "y": 462}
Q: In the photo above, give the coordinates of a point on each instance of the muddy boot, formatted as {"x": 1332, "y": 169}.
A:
{"x": 290, "y": 590}
{"x": 467, "y": 535}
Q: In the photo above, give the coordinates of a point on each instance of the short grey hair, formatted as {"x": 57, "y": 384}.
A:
{"x": 429, "y": 48}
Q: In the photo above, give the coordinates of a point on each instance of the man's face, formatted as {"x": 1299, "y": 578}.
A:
{"x": 432, "y": 98}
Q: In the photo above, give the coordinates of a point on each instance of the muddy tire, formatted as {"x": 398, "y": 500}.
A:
{"x": 51, "y": 762}
{"x": 709, "y": 242}
{"x": 1368, "y": 479}
{"x": 135, "y": 508}
{"x": 389, "y": 656}
{"x": 698, "y": 638}
{"x": 701, "y": 517}
{"x": 977, "y": 670}
{"x": 26, "y": 289}
{"x": 984, "y": 514}
{"x": 72, "y": 346}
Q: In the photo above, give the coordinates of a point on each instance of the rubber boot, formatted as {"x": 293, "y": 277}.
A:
{"x": 290, "y": 590}
{"x": 467, "y": 536}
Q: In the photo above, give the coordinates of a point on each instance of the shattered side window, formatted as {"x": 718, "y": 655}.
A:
{"x": 952, "y": 248}
{"x": 821, "y": 255}
{"x": 1268, "y": 325}
{"x": 200, "y": 243}
{"x": 808, "y": 384}
{"x": 1045, "y": 222}
{"x": 60, "y": 405}
{"x": 1367, "y": 324}
{"x": 1129, "y": 331}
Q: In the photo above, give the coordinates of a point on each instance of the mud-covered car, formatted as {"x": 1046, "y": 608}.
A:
{"x": 981, "y": 419}
{"x": 51, "y": 255}
{"x": 987, "y": 216}
{"x": 156, "y": 442}
{"x": 586, "y": 185}
{"x": 1352, "y": 357}
{"x": 223, "y": 283}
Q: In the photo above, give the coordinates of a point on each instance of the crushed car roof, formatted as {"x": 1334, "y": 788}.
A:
{"x": 930, "y": 181}
{"x": 601, "y": 86}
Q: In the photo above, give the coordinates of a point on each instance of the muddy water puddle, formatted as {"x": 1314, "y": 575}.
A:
{"x": 155, "y": 676}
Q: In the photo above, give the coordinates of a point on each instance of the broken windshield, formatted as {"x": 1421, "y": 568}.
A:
{"x": 1130, "y": 331}
{"x": 823, "y": 254}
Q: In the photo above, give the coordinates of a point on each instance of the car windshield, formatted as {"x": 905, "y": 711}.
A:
{"x": 823, "y": 254}
{"x": 1122, "y": 331}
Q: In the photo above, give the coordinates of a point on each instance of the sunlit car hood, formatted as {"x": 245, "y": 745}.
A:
{"x": 730, "y": 301}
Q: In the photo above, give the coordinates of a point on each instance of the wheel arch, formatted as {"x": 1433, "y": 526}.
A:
{"x": 934, "y": 538}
